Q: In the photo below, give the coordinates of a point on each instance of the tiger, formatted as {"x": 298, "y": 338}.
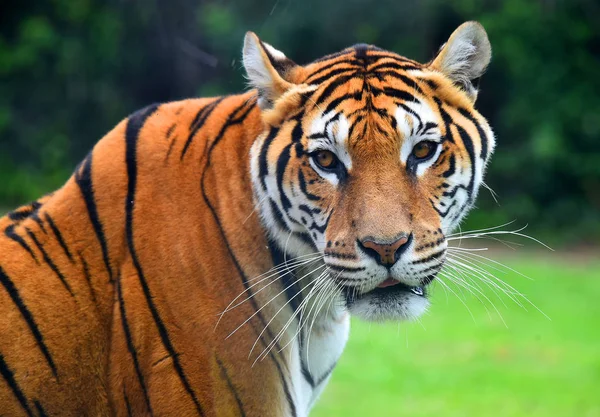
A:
{"x": 206, "y": 256}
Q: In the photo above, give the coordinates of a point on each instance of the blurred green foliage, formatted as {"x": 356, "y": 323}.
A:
{"x": 70, "y": 70}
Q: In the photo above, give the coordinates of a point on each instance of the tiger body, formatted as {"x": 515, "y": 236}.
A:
{"x": 146, "y": 284}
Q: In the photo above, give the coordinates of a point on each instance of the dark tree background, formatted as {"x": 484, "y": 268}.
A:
{"x": 70, "y": 70}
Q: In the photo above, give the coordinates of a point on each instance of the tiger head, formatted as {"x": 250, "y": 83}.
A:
{"x": 370, "y": 159}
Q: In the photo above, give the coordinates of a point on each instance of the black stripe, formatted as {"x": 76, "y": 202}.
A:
{"x": 446, "y": 118}
{"x": 331, "y": 87}
{"x": 88, "y": 278}
{"x": 432, "y": 84}
{"x": 452, "y": 193}
{"x": 431, "y": 257}
{"x": 321, "y": 229}
{"x": 170, "y": 149}
{"x": 303, "y": 366}
{"x": 468, "y": 143}
{"x": 431, "y": 268}
{"x": 357, "y": 120}
{"x": 59, "y": 237}
{"x": 83, "y": 178}
{"x": 231, "y": 387}
{"x": 340, "y": 255}
{"x": 49, "y": 261}
{"x": 278, "y": 215}
{"x": 40, "y": 409}
{"x": 400, "y": 94}
{"x": 324, "y": 68}
{"x": 198, "y": 122}
{"x": 308, "y": 210}
{"x": 451, "y": 168}
{"x": 346, "y": 268}
{"x": 11, "y": 234}
{"x": 412, "y": 112}
{"x": 427, "y": 127}
{"x": 292, "y": 289}
{"x": 409, "y": 82}
{"x": 171, "y": 130}
{"x": 303, "y": 188}
{"x": 392, "y": 66}
{"x": 20, "y": 215}
{"x": 132, "y": 132}
{"x": 282, "y": 161}
{"x": 263, "y": 162}
{"x": 484, "y": 139}
{"x": 33, "y": 327}
{"x": 357, "y": 95}
{"x": 230, "y": 121}
{"x": 326, "y": 374}
{"x": 36, "y": 218}
{"x": 131, "y": 347}
{"x": 440, "y": 212}
{"x": 127, "y": 405}
{"x": 9, "y": 377}
{"x": 297, "y": 131}
{"x": 333, "y": 73}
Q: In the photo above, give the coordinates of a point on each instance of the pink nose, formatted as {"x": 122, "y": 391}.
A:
{"x": 384, "y": 252}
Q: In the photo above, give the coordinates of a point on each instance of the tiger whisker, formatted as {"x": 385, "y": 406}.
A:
{"x": 464, "y": 274}
{"x": 474, "y": 290}
{"x": 501, "y": 232}
{"x": 267, "y": 303}
{"x": 318, "y": 282}
{"x": 273, "y": 273}
{"x": 475, "y": 263}
{"x": 482, "y": 259}
{"x": 492, "y": 192}
{"x": 291, "y": 262}
{"x": 485, "y": 277}
{"x": 256, "y": 207}
{"x": 514, "y": 292}
{"x": 507, "y": 243}
{"x": 440, "y": 280}
{"x": 319, "y": 302}
{"x": 282, "y": 307}
{"x": 480, "y": 230}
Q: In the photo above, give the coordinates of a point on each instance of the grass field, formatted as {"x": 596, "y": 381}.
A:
{"x": 453, "y": 364}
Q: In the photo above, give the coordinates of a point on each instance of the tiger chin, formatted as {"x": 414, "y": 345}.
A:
{"x": 206, "y": 255}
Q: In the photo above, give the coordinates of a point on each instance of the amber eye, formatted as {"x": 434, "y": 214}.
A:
{"x": 424, "y": 150}
{"x": 325, "y": 159}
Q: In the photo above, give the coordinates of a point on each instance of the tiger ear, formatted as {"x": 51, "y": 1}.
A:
{"x": 266, "y": 70}
{"x": 465, "y": 56}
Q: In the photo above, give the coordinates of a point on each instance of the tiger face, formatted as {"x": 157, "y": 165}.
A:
{"x": 370, "y": 159}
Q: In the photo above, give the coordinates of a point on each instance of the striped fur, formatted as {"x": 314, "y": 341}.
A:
{"x": 115, "y": 289}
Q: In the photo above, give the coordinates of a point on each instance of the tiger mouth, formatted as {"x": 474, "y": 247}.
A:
{"x": 386, "y": 289}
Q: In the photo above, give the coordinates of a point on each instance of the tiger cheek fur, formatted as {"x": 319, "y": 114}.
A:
{"x": 206, "y": 255}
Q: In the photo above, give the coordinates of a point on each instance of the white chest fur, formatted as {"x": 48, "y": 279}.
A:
{"x": 314, "y": 357}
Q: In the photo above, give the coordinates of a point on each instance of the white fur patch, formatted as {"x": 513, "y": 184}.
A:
{"x": 405, "y": 307}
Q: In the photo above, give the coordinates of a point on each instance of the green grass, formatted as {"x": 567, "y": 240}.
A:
{"x": 456, "y": 365}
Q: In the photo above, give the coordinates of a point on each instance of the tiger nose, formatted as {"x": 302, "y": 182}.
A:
{"x": 384, "y": 252}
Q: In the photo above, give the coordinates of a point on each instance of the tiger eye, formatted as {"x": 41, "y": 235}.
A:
{"x": 325, "y": 159}
{"x": 423, "y": 150}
